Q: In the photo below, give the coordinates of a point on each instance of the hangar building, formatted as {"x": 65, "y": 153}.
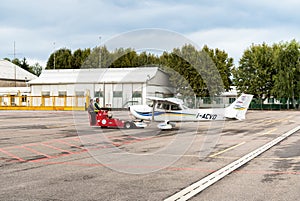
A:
{"x": 14, "y": 87}
{"x": 12, "y": 75}
{"x": 115, "y": 87}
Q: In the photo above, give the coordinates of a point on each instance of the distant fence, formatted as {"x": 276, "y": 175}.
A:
{"x": 221, "y": 102}
{"x": 256, "y": 104}
{"x": 207, "y": 102}
{"x": 24, "y": 102}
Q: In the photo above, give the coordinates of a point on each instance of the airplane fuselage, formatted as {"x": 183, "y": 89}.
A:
{"x": 172, "y": 109}
{"x": 180, "y": 115}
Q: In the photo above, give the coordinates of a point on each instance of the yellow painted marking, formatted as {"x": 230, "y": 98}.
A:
{"x": 228, "y": 149}
{"x": 269, "y": 132}
{"x": 268, "y": 122}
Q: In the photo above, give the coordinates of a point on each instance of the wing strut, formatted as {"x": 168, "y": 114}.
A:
{"x": 153, "y": 109}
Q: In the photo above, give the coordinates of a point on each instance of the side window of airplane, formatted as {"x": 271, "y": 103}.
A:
{"x": 165, "y": 106}
{"x": 175, "y": 107}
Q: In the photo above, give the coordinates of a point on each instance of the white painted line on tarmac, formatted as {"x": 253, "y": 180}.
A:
{"x": 204, "y": 183}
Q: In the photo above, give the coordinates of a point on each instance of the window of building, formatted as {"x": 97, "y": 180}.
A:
{"x": 137, "y": 94}
{"x": 24, "y": 98}
{"x": 271, "y": 100}
{"x": 12, "y": 100}
{"x": 117, "y": 94}
{"x": 79, "y": 93}
{"x": 231, "y": 100}
{"x": 219, "y": 100}
{"x": 159, "y": 94}
{"x": 45, "y": 93}
{"x": 62, "y": 93}
{"x": 99, "y": 94}
{"x": 206, "y": 100}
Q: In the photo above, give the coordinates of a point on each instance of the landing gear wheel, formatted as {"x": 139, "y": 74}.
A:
{"x": 128, "y": 125}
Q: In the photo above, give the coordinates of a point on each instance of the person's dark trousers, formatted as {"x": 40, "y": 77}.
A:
{"x": 93, "y": 118}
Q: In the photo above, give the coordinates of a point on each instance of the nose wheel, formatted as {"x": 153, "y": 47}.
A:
{"x": 128, "y": 125}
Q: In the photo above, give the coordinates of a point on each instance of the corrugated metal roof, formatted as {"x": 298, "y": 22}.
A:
{"x": 7, "y": 71}
{"x": 99, "y": 75}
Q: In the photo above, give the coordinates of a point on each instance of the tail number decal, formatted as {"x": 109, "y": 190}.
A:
{"x": 206, "y": 116}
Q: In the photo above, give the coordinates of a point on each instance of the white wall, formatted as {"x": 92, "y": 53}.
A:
{"x": 127, "y": 89}
{"x": 161, "y": 79}
{"x": 108, "y": 95}
{"x": 127, "y": 92}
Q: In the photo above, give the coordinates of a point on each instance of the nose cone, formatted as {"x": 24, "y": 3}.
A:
{"x": 132, "y": 110}
{"x": 140, "y": 111}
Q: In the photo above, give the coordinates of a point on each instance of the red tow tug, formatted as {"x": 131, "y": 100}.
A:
{"x": 104, "y": 120}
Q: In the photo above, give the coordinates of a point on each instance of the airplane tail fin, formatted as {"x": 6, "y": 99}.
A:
{"x": 239, "y": 107}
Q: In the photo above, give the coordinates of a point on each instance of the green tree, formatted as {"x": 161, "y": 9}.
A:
{"x": 25, "y": 65}
{"x": 79, "y": 56}
{"x": 60, "y": 59}
{"x": 176, "y": 66}
{"x": 36, "y": 69}
{"x": 287, "y": 80}
{"x": 16, "y": 61}
{"x": 146, "y": 59}
{"x": 106, "y": 57}
{"x": 256, "y": 70}
{"x": 96, "y": 55}
{"x": 198, "y": 72}
{"x": 124, "y": 58}
{"x": 223, "y": 63}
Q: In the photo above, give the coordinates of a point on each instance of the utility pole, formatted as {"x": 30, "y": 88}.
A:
{"x": 15, "y": 70}
{"x": 103, "y": 93}
{"x": 54, "y": 54}
{"x": 100, "y": 52}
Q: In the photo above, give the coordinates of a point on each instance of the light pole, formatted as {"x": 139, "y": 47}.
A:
{"x": 103, "y": 93}
{"x": 100, "y": 52}
{"x": 54, "y": 54}
{"x": 15, "y": 69}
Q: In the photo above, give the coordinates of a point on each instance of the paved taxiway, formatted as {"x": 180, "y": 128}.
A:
{"x": 43, "y": 158}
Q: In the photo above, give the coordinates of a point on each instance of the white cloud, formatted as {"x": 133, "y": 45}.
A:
{"x": 231, "y": 25}
{"x": 234, "y": 41}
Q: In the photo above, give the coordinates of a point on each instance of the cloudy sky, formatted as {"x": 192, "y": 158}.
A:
{"x": 39, "y": 27}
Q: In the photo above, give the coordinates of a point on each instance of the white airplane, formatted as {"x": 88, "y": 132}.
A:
{"x": 173, "y": 110}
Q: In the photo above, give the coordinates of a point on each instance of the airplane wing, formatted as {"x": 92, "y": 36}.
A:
{"x": 165, "y": 100}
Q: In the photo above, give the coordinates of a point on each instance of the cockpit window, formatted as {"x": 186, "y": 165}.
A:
{"x": 168, "y": 106}
{"x": 175, "y": 107}
{"x": 165, "y": 106}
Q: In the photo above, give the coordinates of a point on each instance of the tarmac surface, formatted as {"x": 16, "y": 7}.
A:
{"x": 56, "y": 155}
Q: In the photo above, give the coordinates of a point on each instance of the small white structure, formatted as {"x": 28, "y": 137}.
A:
{"x": 115, "y": 87}
{"x": 12, "y": 75}
{"x": 229, "y": 96}
{"x": 14, "y": 96}
{"x": 14, "y": 88}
